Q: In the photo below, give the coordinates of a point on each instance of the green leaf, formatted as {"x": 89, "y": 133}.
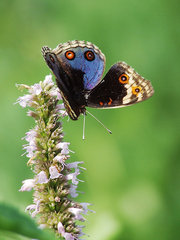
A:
{"x": 12, "y": 221}
{"x": 5, "y": 235}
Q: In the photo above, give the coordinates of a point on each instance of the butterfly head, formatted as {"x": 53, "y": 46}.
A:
{"x": 50, "y": 59}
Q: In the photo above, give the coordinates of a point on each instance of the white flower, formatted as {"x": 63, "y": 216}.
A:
{"x": 57, "y": 199}
{"x": 35, "y": 89}
{"x": 28, "y": 184}
{"x": 60, "y": 159}
{"x": 85, "y": 208}
{"x": 73, "y": 165}
{"x": 72, "y": 191}
{"x": 48, "y": 160}
{"x": 24, "y": 100}
{"x": 73, "y": 177}
{"x": 63, "y": 113}
{"x": 67, "y": 236}
{"x": 55, "y": 92}
{"x": 48, "y": 80}
{"x": 30, "y": 136}
{"x": 64, "y": 147}
{"x": 77, "y": 213}
{"x": 33, "y": 209}
{"x": 30, "y": 149}
{"x": 42, "y": 178}
{"x": 60, "y": 106}
{"x": 54, "y": 172}
{"x": 61, "y": 229}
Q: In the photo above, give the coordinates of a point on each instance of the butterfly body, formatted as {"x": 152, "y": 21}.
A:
{"x": 78, "y": 67}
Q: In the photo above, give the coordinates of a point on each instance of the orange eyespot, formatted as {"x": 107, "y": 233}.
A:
{"x": 89, "y": 55}
{"x": 136, "y": 90}
{"x": 110, "y": 101}
{"x": 124, "y": 78}
{"x": 70, "y": 55}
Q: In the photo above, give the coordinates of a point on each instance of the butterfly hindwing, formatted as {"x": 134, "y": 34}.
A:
{"x": 120, "y": 87}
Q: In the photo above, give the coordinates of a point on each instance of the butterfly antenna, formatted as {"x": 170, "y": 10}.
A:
{"x": 109, "y": 131}
{"x": 84, "y": 121}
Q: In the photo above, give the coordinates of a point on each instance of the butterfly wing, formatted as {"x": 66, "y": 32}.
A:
{"x": 78, "y": 67}
{"x": 120, "y": 87}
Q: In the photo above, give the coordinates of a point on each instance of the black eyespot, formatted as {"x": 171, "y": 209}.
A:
{"x": 137, "y": 90}
{"x": 89, "y": 55}
{"x": 124, "y": 78}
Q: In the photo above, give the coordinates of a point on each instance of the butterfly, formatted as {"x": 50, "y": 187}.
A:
{"x": 78, "y": 67}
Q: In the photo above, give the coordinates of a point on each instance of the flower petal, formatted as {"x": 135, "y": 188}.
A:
{"x": 42, "y": 178}
{"x": 28, "y": 184}
{"x": 60, "y": 228}
{"x": 54, "y": 173}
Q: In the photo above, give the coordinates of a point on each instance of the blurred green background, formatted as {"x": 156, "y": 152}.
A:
{"x": 132, "y": 175}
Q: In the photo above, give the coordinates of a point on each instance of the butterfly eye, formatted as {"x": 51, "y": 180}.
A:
{"x": 70, "y": 55}
{"x": 124, "y": 78}
{"x": 52, "y": 59}
{"x": 89, "y": 55}
{"x": 136, "y": 90}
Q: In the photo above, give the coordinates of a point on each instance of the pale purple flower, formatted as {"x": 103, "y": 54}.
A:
{"x": 35, "y": 89}
{"x": 77, "y": 213}
{"x": 72, "y": 191}
{"x": 33, "y": 209}
{"x": 63, "y": 113}
{"x": 42, "y": 178}
{"x": 64, "y": 147}
{"x": 60, "y": 106}
{"x": 24, "y": 100}
{"x": 57, "y": 199}
{"x": 28, "y": 184}
{"x": 60, "y": 158}
{"x": 30, "y": 136}
{"x": 73, "y": 177}
{"x": 65, "y": 151}
{"x": 48, "y": 80}
{"x": 73, "y": 165}
{"x": 55, "y": 92}
{"x": 61, "y": 229}
{"x": 54, "y": 173}
{"x": 49, "y": 84}
{"x": 85, "y": 208}
{"x": 48, "y": 158}
{"x": 30, "y": 149}
{"x": 67, "y": 236}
